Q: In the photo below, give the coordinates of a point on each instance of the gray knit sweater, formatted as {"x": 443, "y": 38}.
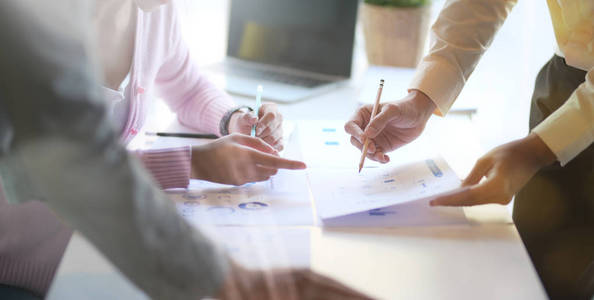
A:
{"x": 57, "y": 146}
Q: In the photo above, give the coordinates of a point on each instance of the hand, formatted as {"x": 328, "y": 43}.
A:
{"x": 238, "y": 159}
{"x": 269, "y": 124}
{"x": 507, "y": 169}
{"x": 282, "y": 284}
{"x": 396, "y": 124}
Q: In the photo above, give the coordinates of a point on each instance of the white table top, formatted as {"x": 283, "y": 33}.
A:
{"x": 484, "y": 259}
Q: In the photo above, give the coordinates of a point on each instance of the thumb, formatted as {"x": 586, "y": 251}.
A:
{"x": 379, "y": 122}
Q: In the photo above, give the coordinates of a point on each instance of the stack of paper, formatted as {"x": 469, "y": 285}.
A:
{"x": 395, "y": 194}
{"x": 385, "y": 196}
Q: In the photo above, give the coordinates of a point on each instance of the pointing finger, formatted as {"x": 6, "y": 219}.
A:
{"x": 271, "y": 161}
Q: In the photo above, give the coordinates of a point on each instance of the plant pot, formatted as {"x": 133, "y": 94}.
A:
{"x": 395, "y": 36}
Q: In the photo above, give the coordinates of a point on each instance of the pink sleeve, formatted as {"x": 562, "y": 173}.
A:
{"x": 170, "y": 167}
{"x": 198, "y": 103}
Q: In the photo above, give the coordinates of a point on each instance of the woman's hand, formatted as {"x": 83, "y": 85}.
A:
{"x": 507, "y": 169}
{"x": 238, "y": 159}
{"x": 269, "y": 124}
{"x": 282, "y": 284}
{"x": 396, "y": 124}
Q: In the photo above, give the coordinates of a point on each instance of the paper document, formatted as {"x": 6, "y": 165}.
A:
{"x": 282, "y": 200}
{"x": 414, "y": 213}
{"x": 326, "y": 144}
{"x": 343, "y": 191}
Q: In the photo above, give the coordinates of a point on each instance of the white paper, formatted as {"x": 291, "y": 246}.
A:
{"x": 414, "y": 213}
{"x": 326, "y": 144}
{"x": 343, "y": 191}
{"x": 283, "y": 199}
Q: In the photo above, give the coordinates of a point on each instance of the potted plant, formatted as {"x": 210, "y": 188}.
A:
{"x": 395, "y": 31}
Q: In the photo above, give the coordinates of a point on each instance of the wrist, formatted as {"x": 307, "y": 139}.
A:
{"x": 198, "y": 168}
{"x": 225, "y": 124}
{"x": 422, "y": 101}
{"x": 536, "y": 147}
{"x": 233, "y": 120}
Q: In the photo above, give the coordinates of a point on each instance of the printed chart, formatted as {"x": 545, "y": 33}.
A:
{"x": 338, "y": 192}
{"x": 283, "y": 200}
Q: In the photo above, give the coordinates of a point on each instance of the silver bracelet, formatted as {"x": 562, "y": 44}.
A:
{"x": 224, "y": 123}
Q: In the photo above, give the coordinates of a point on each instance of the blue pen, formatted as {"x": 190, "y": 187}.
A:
{"x": 258, "y": 104}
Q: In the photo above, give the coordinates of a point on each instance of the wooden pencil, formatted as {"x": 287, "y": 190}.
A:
{"x": 373, "y": 113}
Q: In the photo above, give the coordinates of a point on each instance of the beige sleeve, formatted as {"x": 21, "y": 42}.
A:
{"x": 462, "y": 33}
{"x": 570, "y": 129}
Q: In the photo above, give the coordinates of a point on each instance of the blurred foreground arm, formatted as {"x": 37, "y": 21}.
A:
{"x": 57, "y": 146}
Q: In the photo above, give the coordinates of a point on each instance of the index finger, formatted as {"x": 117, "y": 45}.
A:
{"x": 357, "y": 123}
{"x": 465, "y": 196}
{"x": 352, "y": 128}
{"x": 275, "y": 162}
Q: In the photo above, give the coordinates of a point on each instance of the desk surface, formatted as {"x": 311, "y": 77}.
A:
{"x": 485, "y": 259}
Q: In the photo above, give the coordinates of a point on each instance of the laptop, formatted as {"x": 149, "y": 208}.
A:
{"x": 294, "y": 48}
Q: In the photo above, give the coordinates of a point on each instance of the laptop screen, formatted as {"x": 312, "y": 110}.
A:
{"x": 309, "y": 35}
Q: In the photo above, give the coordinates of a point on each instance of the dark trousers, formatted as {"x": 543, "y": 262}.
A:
{"x": 554, "y": 212}
{"x": 15, "y": 293}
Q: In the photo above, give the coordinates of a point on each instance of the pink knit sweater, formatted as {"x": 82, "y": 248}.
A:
{"x": 32, "y": 239}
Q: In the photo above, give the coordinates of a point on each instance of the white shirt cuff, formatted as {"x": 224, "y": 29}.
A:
{"x": 568, "y": 131}
{"x": 440, "y": 81}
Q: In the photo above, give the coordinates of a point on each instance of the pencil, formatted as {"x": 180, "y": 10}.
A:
{"x": 258, "y": 104}
{"x": 183, "y": 135}
{"x": 373, "y": 113}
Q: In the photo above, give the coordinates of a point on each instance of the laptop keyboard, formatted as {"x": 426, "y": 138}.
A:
{"x": 289, "y": 79}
